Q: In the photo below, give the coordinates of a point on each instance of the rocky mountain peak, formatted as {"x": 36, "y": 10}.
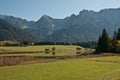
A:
{"x": 86, "y": 26}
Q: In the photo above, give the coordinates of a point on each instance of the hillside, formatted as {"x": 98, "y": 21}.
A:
{"x": 86, "y": 26}
{"x": 9, "y": 32}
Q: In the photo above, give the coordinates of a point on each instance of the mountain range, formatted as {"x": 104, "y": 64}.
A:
{"x": 84, "y": 27}
{"x": 10, "y": 32}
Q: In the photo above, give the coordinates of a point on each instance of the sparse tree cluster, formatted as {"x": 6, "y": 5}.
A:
{"x": 108, "y": 44}
{"x": 53, "y": 50}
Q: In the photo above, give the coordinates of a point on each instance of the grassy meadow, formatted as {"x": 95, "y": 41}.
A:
{"x": 61, "y": 50}
{"x": 85, "y": 68}
{"x": 71, "y": 69}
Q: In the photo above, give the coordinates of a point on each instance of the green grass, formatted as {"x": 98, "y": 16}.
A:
{"x": 38, "y": 48}
{"x": 97, "y": 68}
{"x": 111, "y": 59}
{"x": 73, "y": 69}
{"x": 61, "y": 50}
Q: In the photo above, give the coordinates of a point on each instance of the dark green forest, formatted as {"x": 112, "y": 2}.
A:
{"x": 108, "y": 44}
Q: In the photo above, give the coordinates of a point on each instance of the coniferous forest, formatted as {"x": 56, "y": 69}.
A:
{"x": 107, "y": 43}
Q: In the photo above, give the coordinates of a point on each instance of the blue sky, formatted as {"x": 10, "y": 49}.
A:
{"x": 34, "y": 9}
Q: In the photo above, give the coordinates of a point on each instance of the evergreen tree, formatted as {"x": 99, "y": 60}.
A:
{"x": 98, "y": 49}
{"x": 104, "y": 43}
{"x": 114, "y": 42}
{"x": 118, "y": 34}
{"x": 115, "y": 36}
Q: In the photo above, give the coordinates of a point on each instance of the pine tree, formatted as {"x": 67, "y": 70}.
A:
{"x": 118, "y": 34}
{"x": 104, "y": 43}
{"x": 115, "y": 36}
{"x": 98, "y": 49}
{"x": 114, "y": 42}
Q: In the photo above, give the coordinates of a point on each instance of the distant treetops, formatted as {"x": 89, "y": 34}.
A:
{"x": 108, "y": 44}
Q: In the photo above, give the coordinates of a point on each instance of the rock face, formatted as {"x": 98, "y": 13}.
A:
{"x": 86, "y": 26}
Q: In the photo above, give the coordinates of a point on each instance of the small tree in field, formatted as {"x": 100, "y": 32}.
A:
{"x": 53, "y": 51}
{"x": 78, "y": 50}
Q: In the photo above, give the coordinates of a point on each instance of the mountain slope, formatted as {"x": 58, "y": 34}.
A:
{"x": 9, "y": 32}
{"x": 42, "y": 28}
{"x": 86, "y": 26}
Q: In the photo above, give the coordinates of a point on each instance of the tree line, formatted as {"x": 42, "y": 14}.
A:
{"x": 108, "y": 44}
